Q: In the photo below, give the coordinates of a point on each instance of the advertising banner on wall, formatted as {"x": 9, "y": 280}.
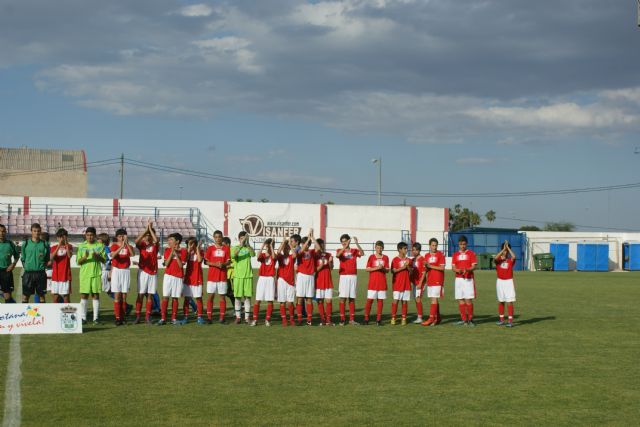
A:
{"x": 40, "y": 319}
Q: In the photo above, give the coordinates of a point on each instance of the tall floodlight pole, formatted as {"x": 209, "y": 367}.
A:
{"x": 379, "y": 162}
{"x": 121, "y": 175}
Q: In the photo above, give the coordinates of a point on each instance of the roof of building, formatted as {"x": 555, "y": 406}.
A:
{"x": 29, "y": 159}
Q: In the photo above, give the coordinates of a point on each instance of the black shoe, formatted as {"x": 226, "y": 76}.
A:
{"x": 118, "y": 322}
{"x": 366, "y": 322}
{"x": 222, "y": 322}
{"x": 379, "y": 323}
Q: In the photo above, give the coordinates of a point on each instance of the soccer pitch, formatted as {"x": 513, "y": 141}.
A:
{"x": 571, "y": 359}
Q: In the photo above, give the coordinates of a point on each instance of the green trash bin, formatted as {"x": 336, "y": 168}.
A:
{"x": 492, "y": 261}
{"x": 484, "y": 262}
{"x": 543, "y": 262}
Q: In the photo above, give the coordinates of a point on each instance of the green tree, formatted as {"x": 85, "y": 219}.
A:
{"x": 491, "y": 215}
{"x": 461, "y": 218}
{"x": 529, "y": 228}
{"x": 559, "y": 226}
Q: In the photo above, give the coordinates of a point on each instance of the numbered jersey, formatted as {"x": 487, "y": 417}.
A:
{"x": 401, "y": 279}
{"x": 504, "y": 268}
{"x": 123, "y": 258}
{"x": 464, "y": 260}
{"x": 61, "y": 260}
{"x": 219, "y": 254}
{"x": 267, "y": 265}
{"x": 378, "y": 278}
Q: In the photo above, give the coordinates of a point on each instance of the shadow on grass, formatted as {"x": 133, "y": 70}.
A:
{"x": 86, "y": 330}
{"x": 535, "y": 320}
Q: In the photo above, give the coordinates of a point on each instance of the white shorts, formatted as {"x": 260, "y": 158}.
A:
{"x": 286, "y": 292}
{"x": 305, "y": 286}
{"x": 347, "y": 286}
{"x": 376, "y": 294}
{"x": 147, "y": 283}
{"x": 265, "y": 288}
{"x": 324, "y": 293}
{"x": 219, "y": 288}
{"x": 435, "y": 291}
{"x": 106, "y": 286}
{"x": 172, "y": 286}
{"x": 192, "y": 291}
{"x": 120, "y": 279}
{"x": 465, "y": 288}
{"x": 402, "y": 295}
{"x": 60, "y": 288}
{"x": 506, "y": 290}
{"x": 417, "y": 290}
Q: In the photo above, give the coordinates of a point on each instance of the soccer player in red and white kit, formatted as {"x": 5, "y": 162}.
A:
{"x": 417, "y": 272}
{"x": 377, "y": 266}
{"x": 121, "y": 253}
{"x": 504, "y": 285}
{"x": 401, "y": 270}
{"x": 266, "y": 286}
{"x": 286, "y": 282}
{"x": 218, "y": 258}
{"x": 434, "y": 263}
{"x": 193, "y": 280}
{"x": 348, "y": 272}
{"x": 305, "y": 279}
{"x": 464, "y": 262}
{"x": 324, "y": 283}
{"x": 147, "y": 244}
{"x": 61, "y": 262}
{"x": 174, "y": 259}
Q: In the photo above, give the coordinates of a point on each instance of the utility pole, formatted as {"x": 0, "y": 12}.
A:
{"x": 379, "y": 162}
{"x": 121, "y": 175}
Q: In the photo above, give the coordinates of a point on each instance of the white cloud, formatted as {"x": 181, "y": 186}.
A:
{"x": 196, "y": 10}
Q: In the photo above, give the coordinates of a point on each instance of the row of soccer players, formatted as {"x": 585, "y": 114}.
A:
{"x": 313, "y": 280}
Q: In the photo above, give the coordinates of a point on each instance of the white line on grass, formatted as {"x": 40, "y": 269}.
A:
{"x": 12, "y": 398}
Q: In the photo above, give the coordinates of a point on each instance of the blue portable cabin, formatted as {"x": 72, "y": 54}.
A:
{"x": 631, "y": 256}
{"x": 560, "y": 253}
{"x": 489, "y": 240}
{"x": 593, "y": 256}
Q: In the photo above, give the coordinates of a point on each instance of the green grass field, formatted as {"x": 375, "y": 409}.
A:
{"x": 571, "y": 359}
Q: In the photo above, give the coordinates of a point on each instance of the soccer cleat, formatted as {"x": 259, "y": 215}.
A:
{"x": 237, "y": 321}
{"x": 330, "y": 324}
{"x": 320, "y": 324}
{"x": 267, "y": 323}
{"x": 366, "y": 322}
{"x": 309, "y": 323}
{"x": 353, "y": 323}
{"x": 148, "y": 322}
{"x": 222, "y": 321}
{"x": 403, "y": 322}
{"x": 393, "y": 320}
{"x": 161, "y": 322}
{"x": 418, "y": 320}
{"x": 184, "y": 320}
{"x": 201, "y": 321}
{"x": 342, "y": 323}
{"x": 509, "y": 325}
{"x": 292, "y": 323}
{"x": 96, "y": 322}
{"x": 118, "y": 322}
{"x": 428, "y": 322}
{"x": 135, "y": 322}
{"x": 252, "y": 323}
{"x": 500, "y": 323}
{"x": 378, "y": 323}
{"x": 461, "y": 323}
{"x": 470, "y": 323}
{"x": 176, "y": 322}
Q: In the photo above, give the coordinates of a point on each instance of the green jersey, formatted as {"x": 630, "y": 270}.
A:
{"x": 91, "y": 267}
{"x": 35, "y": 255}
{"x": 8, "y": 253}
{"x": 242, "y": 257}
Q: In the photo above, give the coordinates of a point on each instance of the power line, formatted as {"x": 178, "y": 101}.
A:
{"x": 594, "y": 227}
{"x": 73, "y": 167}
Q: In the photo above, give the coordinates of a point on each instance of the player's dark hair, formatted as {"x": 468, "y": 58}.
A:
{"x": 61, "y": 232}
{"x": 217, "y": 233}
{"x": 90, "y": 230}
{"x": 121, "y": 232}
{"x": 320, "y": 242}
{"x": 190, "y": 239}
{"x": 36, "y": 226}
{"x": 176, "y": 236}
{"x": 296, "y": 237}
{"x": 104, "y": 238}
{"x": 242, "y": 234}
{"x": 462, "y": 239}
{"x": 433, "y": 239}
{"x": 345, "y": 237}
{"x": 401, "y": 245}
{"x": 269, "y": 241}
{"x": 3, "y": 227}
{"x": 304, "y": 240}
{"x": 226, "y": 241}
{"x": 417, "y": 246}
{"x": 380, "y": 243}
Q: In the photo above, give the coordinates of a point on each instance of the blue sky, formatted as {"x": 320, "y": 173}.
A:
{"x": 457, "y": 97}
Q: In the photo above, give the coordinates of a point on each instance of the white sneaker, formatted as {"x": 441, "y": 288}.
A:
{"x": 267, "y": 323}
{"x": 253, "y": 323}
{"x": 418, "y": 320}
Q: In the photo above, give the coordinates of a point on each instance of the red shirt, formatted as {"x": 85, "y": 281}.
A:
{"x": 148, "y": 260}
{"x": 349, "y": 262}
{"x": 323, "y": 278}
{"x": 217, "y": 254}
{"x": 377, "y": 279}
{"x": 61, "y": 264}
{"x": 307, "y": 262}
{"x": 193, "y": 275}
{"x": 435, "y": 277}
{"x": 418, "y": 269}
{"x": 173, "y": 269}
{"x": 504, "y": 268}
{"x": 401, "y": 279}
{"x": 285, "y": 268}
{"x": 267, "y": 265}
{"x": 122, "y": 259}
{"x": 462, "y": 260}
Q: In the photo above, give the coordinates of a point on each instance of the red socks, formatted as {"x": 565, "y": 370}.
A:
{"x": 394, "y": 309}
{"x": 367, "y": 309}
{"x": 510, "y": 311}
{"x": 123, "y": 307}
{"x": 463, "y": 311}
{"x": 470, "y": 312}
{"x": 404, "y": 310}
{"x": 174, "y": 308}
{"x": 223, "y": 307}
{"x": 309, "y": 312}
{"x": 209, "y": 309}
{"x": 147, "y": 313}
{"x": 433, "y": 311}
{"x": 291, "y": 312}
{"x": 199, "y": 307}
{"x": 328, "y": 311}
{"x": 342, "y": 312}
{"x": 379, "y": 313}
{"x": 164, "y": 306}
{"x": 299, "y": 312}
{"x": 256, "y": 309}
{"x": 138, "y": 308}
{"x": 283, "y": 313}
{"x": 269, "y": 310}
{"x": 352, "y": 310}
{"x": 185, "y": 307}
{"x": 419, "y": 308}
{"x": 321, "y": 310}
{"x": 116, "y": 309}
{"x": 501, "y": 310}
